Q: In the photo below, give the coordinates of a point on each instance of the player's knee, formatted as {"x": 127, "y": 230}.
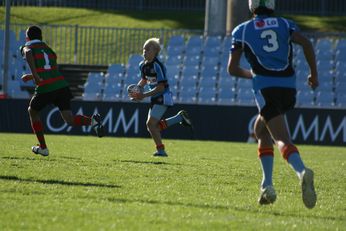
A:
{"x": 151, "y": 125}
{"x": 69, "y": 120}
{"x": 31, "y": 111}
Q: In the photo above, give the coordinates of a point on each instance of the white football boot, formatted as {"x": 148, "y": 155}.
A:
{"x": 40, "y": 151}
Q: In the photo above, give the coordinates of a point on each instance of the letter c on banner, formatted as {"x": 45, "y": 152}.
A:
{"x": 49, "y": 125}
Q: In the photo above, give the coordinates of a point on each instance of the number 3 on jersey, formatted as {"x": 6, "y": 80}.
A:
{"x": 272, "y": 40}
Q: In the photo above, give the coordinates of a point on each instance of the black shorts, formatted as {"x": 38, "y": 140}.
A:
{"x": 60, "y": 98}
{"x": 277, "y": 101}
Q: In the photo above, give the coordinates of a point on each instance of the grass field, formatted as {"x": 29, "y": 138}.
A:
{"x": 147, "y": 19}
{"x": 113, "y": 183}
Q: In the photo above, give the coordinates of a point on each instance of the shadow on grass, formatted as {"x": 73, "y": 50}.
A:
{"x": 27, "y": 158}
{"x": 145, "y": 162}
{"x": 58, "y": 182}
{"x": 224, "y": 207}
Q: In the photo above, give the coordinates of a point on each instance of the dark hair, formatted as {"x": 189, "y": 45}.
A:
{"x": 34, "y": 32}
{"x": 261, "y": 10}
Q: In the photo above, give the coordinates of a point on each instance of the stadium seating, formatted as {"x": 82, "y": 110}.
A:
{"x": 305, "y": 98}
{"x": 15, "y": 91}
{"x": 325, "y": 99}
{"x": 207, "y": 95}
{"x": 197, "y": 72}
{"x": 134, "y": 60}
{"x": 115, "y": 69}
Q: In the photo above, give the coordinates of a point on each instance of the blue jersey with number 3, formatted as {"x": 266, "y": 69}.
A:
{"x": 266, "y": 42}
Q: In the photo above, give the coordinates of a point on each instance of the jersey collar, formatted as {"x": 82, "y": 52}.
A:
{"x": 32, "y": 42}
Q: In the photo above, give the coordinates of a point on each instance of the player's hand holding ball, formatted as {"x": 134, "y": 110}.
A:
{"x": 135, "y": 92}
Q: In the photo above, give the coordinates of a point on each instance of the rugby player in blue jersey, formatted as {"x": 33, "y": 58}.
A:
{"x": 266, "y": 42}
{"x": 153, "y": 73}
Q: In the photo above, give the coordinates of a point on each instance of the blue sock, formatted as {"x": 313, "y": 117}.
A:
{"x": 296, "y": 162}
{"x": 267, "y": 168}
{"x": 174, "y": 120}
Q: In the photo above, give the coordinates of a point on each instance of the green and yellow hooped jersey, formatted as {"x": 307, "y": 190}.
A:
{"x": 46, "y": 67}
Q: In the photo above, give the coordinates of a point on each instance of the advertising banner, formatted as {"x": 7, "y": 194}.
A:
{"x": 211, "y": 122}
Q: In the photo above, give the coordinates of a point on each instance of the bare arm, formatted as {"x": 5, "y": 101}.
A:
{"x": 309, "y": 56}
{"x": 234, "y": 67}
{"x": 30, "y": 60}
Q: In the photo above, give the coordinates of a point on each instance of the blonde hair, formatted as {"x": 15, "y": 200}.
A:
{"x": 154, "y": 43}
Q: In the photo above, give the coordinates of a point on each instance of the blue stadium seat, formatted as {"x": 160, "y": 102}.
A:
{"x": 226, "y": 44}
{"x": 14, "y": 90}
{"x": 173, "y": 71}
{"x": 114, "y": 79}
{"x": 244, "y": 83}
{"x": 210, "y": 61}
{"x": 340, "y": 56}
{"x": 305, "y": 98}
{"x": 226, "y": 96}
{"x": 174, "y": 60}
{"x": 187, "y": 95}
{"x": 116, "y": 69}
{"x": 188, "y": 81}
{"x": 207, "y": 95}
{"x": 207, "y": 82}
{"x": 340, "y": 44}
{"x": 134, "y": 60}
{"x": 227, "y": 82}
{"x": 190, "y": 71}
{"x": 91, "y": 96}
{"x": 325, "y": 99}
{"x": 245, "y": 96}
{"x": 194, "y": 45}
{"x": 175, "y": 50}
{"x": 132, "y": 75}
{"x": 193, "y": 60}
{"x": 323, "y": 44}
{"x": 340, "y": 99}
{"x": 209, "y": 72}
{"x": 176, "y": 40}
{"x": 95, "y": 78}
{"x": 212, "y": 46}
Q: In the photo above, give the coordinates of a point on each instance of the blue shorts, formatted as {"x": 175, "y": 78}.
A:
{"x": 157, "y": 111}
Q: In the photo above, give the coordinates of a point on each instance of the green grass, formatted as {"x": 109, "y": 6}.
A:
{"x": 106, "y": 18}
{"x": 146, "y": 19}
{"x": 115, "y": 184}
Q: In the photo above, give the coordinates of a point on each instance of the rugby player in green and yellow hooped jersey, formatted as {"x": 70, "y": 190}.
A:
{"x": 51, "y": 88}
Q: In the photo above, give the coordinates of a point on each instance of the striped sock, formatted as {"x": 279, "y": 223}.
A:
{"x": 81, "y": 120}
{"x": 291, "y": 154}
{"x": 37, "y": 128}
{"x": 160, "y": 148}
{"x": 266, "y": 156}
{"x": 163, "y": 125}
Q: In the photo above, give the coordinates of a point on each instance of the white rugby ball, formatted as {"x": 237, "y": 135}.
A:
{"x": 134, "y": 88}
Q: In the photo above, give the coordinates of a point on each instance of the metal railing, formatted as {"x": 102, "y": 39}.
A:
{"x": 98, "y": 45}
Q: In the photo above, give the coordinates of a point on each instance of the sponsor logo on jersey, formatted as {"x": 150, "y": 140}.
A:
{"x": 151, "y": 79}
{"x": 266, "y": 23}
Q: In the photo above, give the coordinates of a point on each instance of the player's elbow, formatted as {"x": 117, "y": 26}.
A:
{"x": 232, "y": 70}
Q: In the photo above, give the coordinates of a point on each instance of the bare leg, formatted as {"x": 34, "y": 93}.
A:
{"x": 68, "y": 117}
{"x": 37, "y": 126}
{"x": 154, "y": 130}
{"x": 278, "y": 129}
{"x": 265, "y": 151}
